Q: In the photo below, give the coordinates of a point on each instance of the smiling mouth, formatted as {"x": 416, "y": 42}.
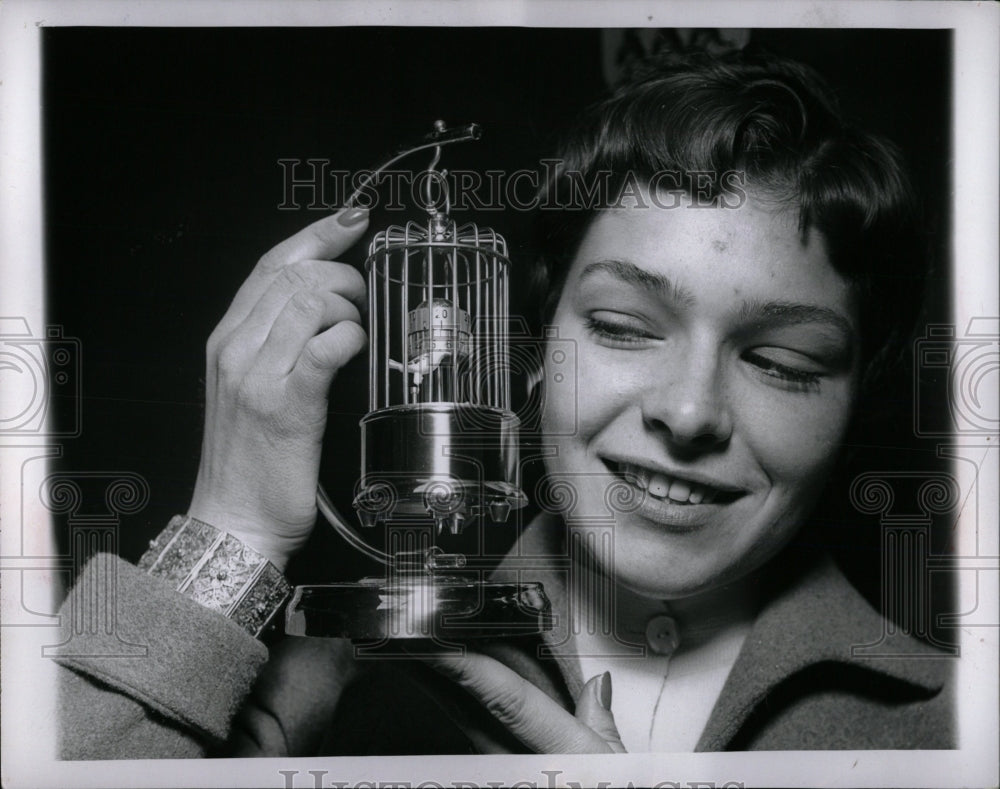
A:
{"x": 664, "y": 487}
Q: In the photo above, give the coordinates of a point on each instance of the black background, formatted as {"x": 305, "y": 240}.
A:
{"x": 162, "y": 185}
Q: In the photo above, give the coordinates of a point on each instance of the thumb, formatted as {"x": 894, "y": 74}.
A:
{"x": 593, "y": 709}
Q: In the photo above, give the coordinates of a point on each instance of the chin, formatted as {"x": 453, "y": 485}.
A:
{"x": 666, "y": 564}
{"x": 652, "y": 568}
{"x": 667, "y": 581}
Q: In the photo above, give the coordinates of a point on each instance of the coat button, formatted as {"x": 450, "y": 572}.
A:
{"x": 662, "y": 635}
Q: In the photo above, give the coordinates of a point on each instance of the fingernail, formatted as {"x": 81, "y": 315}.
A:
{"x": 604, "y": 690}
{"x": 351, "y": 216}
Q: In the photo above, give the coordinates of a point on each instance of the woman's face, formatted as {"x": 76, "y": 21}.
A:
{"x": 716, "y": 368}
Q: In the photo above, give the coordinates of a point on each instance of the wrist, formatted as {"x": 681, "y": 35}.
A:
{"x": 264, "y": 544}
{"x": 264, "y": 535}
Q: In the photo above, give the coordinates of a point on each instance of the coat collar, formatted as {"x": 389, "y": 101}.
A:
{"x": 814, "y": 618}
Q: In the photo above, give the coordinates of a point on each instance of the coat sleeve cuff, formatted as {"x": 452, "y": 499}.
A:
{"x": 134, "y": 634}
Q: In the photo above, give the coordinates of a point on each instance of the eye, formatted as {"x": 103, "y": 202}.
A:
{"x": 795, "y": 371}
{"x": 619, "y": 330}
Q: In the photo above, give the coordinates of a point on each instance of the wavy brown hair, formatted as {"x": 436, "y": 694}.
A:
{"x": 772, "y": 126}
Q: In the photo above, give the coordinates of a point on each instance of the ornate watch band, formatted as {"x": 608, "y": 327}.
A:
{"x": 218, "y": 571}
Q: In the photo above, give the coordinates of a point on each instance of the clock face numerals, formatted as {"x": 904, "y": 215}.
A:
{"x": 442, "y": 328}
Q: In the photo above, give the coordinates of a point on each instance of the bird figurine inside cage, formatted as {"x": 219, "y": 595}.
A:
{"x": 438, "y": 339}
{"x": 439, "y": 441}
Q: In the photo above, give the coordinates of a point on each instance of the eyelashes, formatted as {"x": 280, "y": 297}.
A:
{"x": 626, "y": 332}
{"x": 629, "y": 334}
{"x": 794, "y": 378}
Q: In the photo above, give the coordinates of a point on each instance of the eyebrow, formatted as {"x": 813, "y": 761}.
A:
{"x": 634, "y": 275}
{"x": 784, "y": 313}
{"x": 775, "y": 313}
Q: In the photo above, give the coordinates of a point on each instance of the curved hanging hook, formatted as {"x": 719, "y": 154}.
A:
{"x": 441, "y": 135}
{"x": 435, "y": 160}
{"x": 429, "y": 205}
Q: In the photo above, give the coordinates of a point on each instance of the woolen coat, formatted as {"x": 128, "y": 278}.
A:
{"x": 820, "y": 669}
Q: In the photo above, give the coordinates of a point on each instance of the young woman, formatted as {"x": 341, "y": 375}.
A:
{"x": 726, "y": 297}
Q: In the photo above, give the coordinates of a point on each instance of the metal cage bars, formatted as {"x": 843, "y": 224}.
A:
{"x": 459, "y": 277}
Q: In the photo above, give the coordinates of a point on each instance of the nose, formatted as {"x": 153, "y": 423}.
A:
{"x": 686, "y": 401}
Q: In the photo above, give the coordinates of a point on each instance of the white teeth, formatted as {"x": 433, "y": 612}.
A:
{"x": 679, "y": 491}
{"x": 637, "y": 476}
{"x": 661, "y": 486}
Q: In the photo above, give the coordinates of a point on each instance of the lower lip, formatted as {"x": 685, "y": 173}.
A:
{"x": 672, "y": 515}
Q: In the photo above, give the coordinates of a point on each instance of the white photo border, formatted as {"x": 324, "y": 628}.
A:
{"x": 27, "y": 699}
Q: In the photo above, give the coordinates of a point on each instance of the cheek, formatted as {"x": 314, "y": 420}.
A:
{"x": 795, "y": 438}
{"x": 596, "y": 390}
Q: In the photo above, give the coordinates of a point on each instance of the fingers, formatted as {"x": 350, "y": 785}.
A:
{"x": 305, "y": 314}
{"x": 593, "y": 709}
{"x": 322, "y": 240}
{"x": 305, "y": 298}
{"x": 526, "y": 711}
{"x": 324, "y": 355}
{"x": 306, "y": 275}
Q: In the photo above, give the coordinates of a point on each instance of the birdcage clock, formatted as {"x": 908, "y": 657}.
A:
{"x": 439, "y": 441}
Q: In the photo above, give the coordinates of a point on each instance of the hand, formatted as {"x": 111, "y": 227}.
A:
{"x": 530, "y": 714}
{"x": 294, "y": 323}
{"x": 295, "y": 698}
